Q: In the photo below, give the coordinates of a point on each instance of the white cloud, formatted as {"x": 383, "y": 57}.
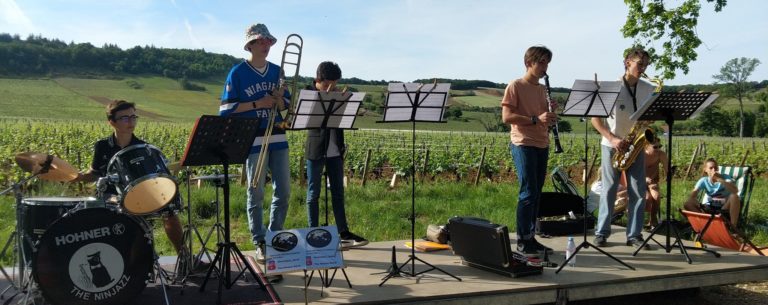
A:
{"x": 13, "y": 19}
{"x": 191, "y": 34}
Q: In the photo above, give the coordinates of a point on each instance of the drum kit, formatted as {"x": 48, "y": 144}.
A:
{"x": 92, "y": 250}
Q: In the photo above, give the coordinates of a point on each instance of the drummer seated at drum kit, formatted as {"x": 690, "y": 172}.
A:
{"x": 121, "y": 115}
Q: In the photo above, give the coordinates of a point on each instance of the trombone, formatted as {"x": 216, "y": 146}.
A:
{"x": 291, "y": 57}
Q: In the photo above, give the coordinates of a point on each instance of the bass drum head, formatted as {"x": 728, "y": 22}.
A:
{"x": 93, "y": 256}
{"x": 149, "y": 195}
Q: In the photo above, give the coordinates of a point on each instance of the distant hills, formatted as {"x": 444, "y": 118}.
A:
{"x": 37, "y": 56}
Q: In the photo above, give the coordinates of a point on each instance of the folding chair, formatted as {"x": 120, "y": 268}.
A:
{"x": 714, "y": 229}
{"x": 745, "y": 181}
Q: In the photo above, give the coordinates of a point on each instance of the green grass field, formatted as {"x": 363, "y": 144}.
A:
{"x": 379, "y": 212}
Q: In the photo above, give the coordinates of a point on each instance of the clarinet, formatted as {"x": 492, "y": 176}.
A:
{"x": 555, "y": 133}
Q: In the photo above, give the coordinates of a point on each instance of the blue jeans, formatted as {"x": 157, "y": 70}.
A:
{"x": 635, "y": 190}
{"x": 277, "y": 163}
{"x": 531, "y": 167}
{"x": 335, "y": 168}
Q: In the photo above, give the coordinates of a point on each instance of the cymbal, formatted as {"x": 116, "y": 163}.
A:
{"x": 33, "y": 162}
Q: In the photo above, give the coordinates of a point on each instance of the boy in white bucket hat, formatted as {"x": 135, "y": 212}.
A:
{"x": 252, "y": 89}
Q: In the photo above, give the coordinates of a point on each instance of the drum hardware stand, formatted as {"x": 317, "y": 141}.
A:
{"x": 217, "y": 227}
{"x": 590, "y": 99}
{"x": 669, "y": 106}
{"x": 219, "y": 140}
{"x": 160, "y": 273}
{"x": 187, "y": 239}
{"x": 21, "y": 279}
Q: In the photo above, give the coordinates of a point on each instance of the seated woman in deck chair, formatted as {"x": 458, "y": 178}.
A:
{"x": 721, "y": 195}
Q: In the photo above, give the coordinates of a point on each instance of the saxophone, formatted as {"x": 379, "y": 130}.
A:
{"x": 639, "y": 136}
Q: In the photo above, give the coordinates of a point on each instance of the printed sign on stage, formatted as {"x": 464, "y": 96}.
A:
{"x": 303, "y": 249}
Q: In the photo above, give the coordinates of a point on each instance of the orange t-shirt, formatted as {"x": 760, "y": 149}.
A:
{"x": 527, "y": 99}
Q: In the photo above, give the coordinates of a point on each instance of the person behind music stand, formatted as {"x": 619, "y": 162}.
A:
{"x": 654, "y": 157}
{"x": 251, "y": 90}
{"x": 721, "y": 194}
{"x": 121, "y": 116}
{"x": 633, "y": 91}
{"x": 525, "y": 108}
{"x": 325, "y": 148}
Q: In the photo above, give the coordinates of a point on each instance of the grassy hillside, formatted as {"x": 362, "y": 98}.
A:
{"x": 163, "y": 99}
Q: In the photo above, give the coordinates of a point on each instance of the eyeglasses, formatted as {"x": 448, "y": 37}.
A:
{"x": 642, "y": 63}
{"x": 127, "y": 118}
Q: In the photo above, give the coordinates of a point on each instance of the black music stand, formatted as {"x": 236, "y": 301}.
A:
{"x": 671, "y": 107}
{"x": 412, "y": 102}
{"x": 590, "y": 99}
{"x": 222, "y": 141}
{"x": 326, "y": 111}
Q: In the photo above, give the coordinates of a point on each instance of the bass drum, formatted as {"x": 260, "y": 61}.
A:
{"x": 93, "y": 256}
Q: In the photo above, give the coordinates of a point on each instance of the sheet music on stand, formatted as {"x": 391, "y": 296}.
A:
{"x": 316, "y": 109}
{"x": 402, "y": 105}
{"x": 589, "y": 98}
{"x": 680, "y": 106}
{"x": 670, "y": 107}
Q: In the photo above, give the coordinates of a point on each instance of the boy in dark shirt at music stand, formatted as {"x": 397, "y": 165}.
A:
{"x": 325, "y": 148}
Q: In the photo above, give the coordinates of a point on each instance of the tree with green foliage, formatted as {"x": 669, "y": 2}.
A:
{"x": 650, "y": 21}
{"x": 735, "y": 72}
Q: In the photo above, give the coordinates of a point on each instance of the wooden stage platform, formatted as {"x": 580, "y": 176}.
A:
{"x": 594, "y": 276}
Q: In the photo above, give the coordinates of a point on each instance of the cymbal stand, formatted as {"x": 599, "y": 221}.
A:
{"x": 184, "y": 268}
{"x": 159, "y": 272}
{"x": 18, "y": 280}
{"x": 217, "y": 227}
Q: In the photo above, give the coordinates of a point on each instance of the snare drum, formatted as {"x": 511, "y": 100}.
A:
{"x": 144, "y": 182}
{"x": 93, "y": 256}
{"x": 37, "y": 213}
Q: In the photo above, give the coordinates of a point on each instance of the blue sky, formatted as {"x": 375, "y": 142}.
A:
{"x": 399, "y": 39}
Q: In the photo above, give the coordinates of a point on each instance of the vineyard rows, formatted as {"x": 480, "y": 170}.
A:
{"x": 451, "y": 154}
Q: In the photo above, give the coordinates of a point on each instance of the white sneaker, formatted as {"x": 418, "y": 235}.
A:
{"x": 261, "y": 253}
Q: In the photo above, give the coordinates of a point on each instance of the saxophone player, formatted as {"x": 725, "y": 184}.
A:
{"x": 614, "y": 131}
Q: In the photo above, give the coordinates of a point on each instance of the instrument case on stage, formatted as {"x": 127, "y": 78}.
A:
{"x": 485, "y": 245}
{"x": 554, "y": 218}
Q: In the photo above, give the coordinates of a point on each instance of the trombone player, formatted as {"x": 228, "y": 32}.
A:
{"x": 617, "y": 133}
{"x": 253, "y": 89}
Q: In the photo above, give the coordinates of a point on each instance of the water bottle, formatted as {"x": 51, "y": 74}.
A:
{"x": 570, "y": 248}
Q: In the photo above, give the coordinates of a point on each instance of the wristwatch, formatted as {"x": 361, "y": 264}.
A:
{"x": 534, "y": 119}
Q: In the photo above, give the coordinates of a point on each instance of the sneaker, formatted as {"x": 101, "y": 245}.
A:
{"x": 600, "y": 241}
{"x": 637, "y": 242}
{"x": 352, "y": 240}
{"x": 541, "y": 248}
{"x": 527, "y": 248}
{"x": 261, "y": 253}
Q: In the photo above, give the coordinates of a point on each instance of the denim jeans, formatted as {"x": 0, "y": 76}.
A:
{"x": 335, "y": 168}
{"x": 277, "y": 163}
{"x": 531, "y": 167}
{"x": 636, "y": 189}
